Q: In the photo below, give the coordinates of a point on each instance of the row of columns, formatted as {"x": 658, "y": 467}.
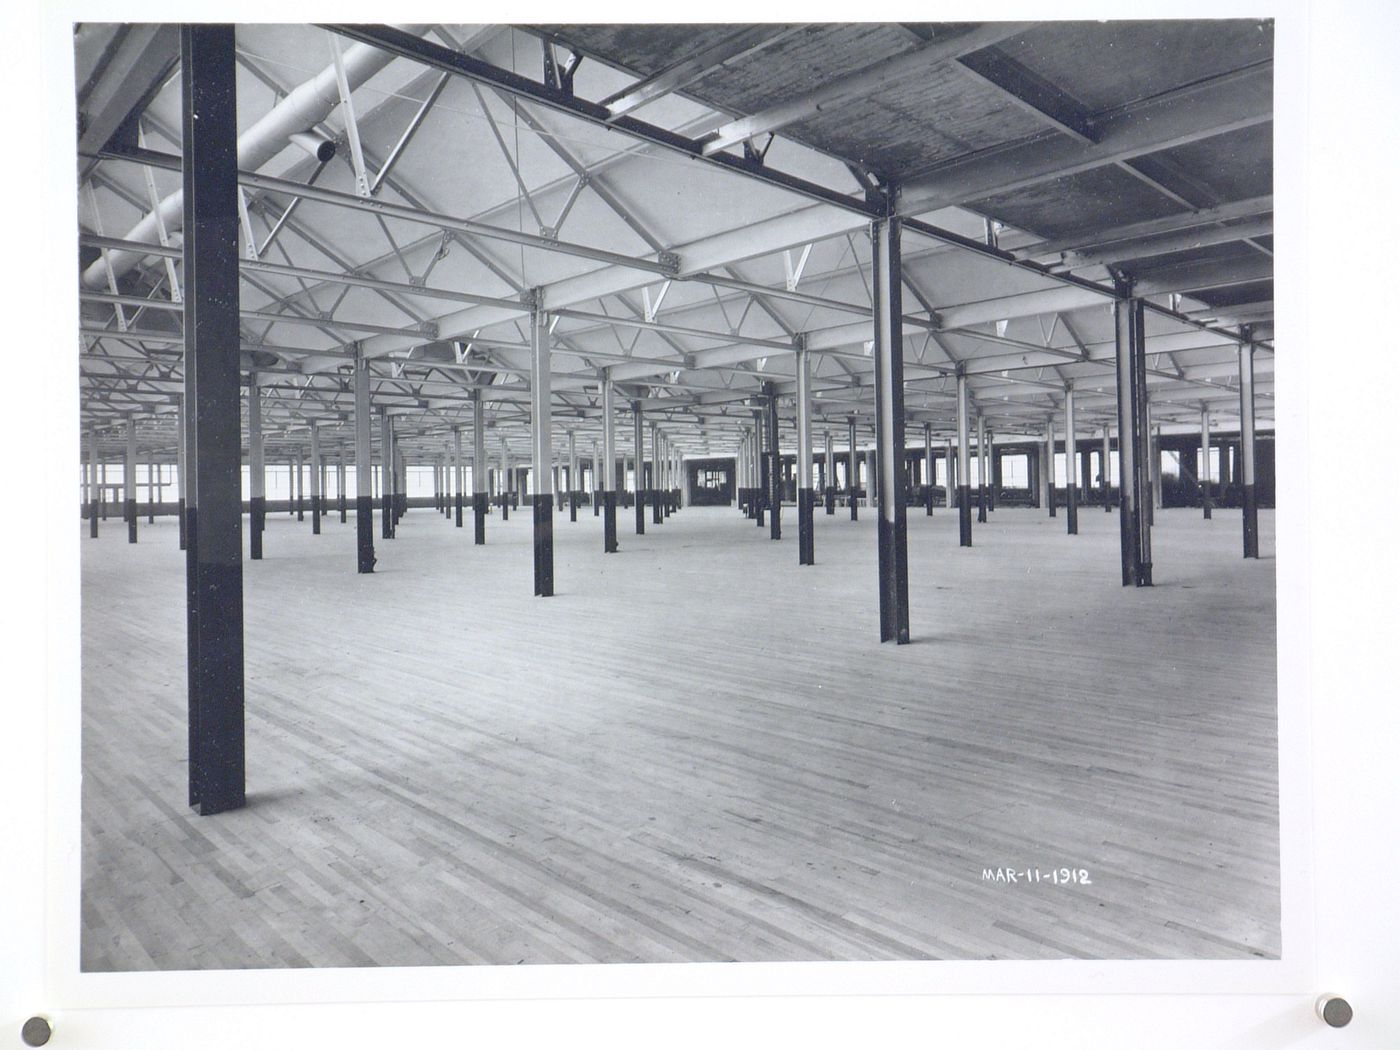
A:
{"x": 212, "y": 518}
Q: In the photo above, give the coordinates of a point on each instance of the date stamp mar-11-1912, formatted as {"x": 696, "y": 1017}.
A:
{"x": 1029, "y": 876}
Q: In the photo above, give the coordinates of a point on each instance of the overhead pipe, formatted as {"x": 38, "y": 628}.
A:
{"x": 307, "y": 105}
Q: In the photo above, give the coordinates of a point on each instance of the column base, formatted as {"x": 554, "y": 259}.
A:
{"x": 609, "y": 522}
{"x": 364, "y": 533}
{"x": 543, "y": 506}
{"x": 257, "y": 515}
{"x": 806, "y": 554}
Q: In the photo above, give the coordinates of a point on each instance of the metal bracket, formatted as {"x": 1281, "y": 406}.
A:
{"x": 560, "y": 77}
{"x": 530, "y": 297}
{"x": 670, "y": 260}
{"x": 429, "y": 328}
{"x": 755, "y": 155}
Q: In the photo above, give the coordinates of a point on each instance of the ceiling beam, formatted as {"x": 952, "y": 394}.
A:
{"x": 861, "y": 84}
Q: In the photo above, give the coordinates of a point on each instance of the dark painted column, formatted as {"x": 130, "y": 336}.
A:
{"x": 301, "y": 491}
{"x": 1205, "y": 463}
{"x": 595, "y": 485}
{"x": 94, "y": 489}
{"x": 889, "y": 428}
{"x": 459, "y": 476}
{"x": 1136, "y": 532}
{"x": 806, "y": 540}
{"x": 315, "y": 480}
{"x": 386, "y": 475}
{"x": 852, "y": 466}
{"x": 129, "y": 480}
{"x": 1251, "y": 501}
{"x": 609, "y": 465}
{"x": 364, "y": 468}
{"x": 829, "y": 474}
{"x": 654, "y": 488}
{"x": 181, "y": 469}
{"x": 214, "y": 508}
{"x": 1107, "y": 459}
{"x": 542, "y": 452}
{"x": 929, "y": 472}
{"x": 480, "y": 471}
{"x": 775, "y": 465}
{"x": 257, "y": 470}
{"x": 1071, "y": 465}
{"x": 1050, "y": 465}
{"x": 151, "y": 489}
{"x": 964, "y": 489}
{"x": 993, "y": 472}
{"x": 761, "y": 458}
{"x": 573, "y": 478}
{"x": 950, "y": 499}
{"x": 981, "y": 469}
{"x": 340, "y": 486}
{"x": 638, "y": 472}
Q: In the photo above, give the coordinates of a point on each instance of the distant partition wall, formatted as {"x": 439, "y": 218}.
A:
{"x": 710, "y": 482}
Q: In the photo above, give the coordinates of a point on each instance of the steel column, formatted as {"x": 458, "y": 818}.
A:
{"x": 1251, "y": 500}
{"x": 774, "y": 476}
{"x": 609, "y": 478}
{"x": 1071, "y": 466}
{"x": 964, "y": 467}
{"x": 386, "y": 474}
{"x": 1205, "y": 463}
{"x": 541, "y": 449}
{"x": 480, "y": 471}
{"x": 889, "y": 430}
{"x": 181, "y": 471}
{"x": 364, "y": 469}
{"x": 806, "y": 547}
{"x": 129, "y": 479}
{"x": 340, "y": 486}
{"x": 257, "y": 470}
{"x": 315, "y": 479}
{"x": 214, "y": 508}
{"x": 638, "y": 481}
{"x": 829, "y": 473}
{"x": 300, "y": 496}
{"x": 950, "y": 500}
{"x": 1131, "y": 360}
{"x": 981, "y": 469}
{"x": 852, "y": 466}
{"x": 1106, "y": 474}
{"x": 993, "y": 472}
{"x": 94, "y": 492}
{"x": 928, "y": 469}
{"x": 1050, "y": 463}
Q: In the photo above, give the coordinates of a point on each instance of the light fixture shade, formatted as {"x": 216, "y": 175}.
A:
{"x": 320, "y": 147}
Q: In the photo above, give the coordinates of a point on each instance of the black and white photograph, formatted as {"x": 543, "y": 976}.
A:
{"x": 697, "y": 504}
{"x": 516, "y": 457}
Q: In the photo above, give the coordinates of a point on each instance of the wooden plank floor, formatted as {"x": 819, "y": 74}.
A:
{"x": 695, "y": 751}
